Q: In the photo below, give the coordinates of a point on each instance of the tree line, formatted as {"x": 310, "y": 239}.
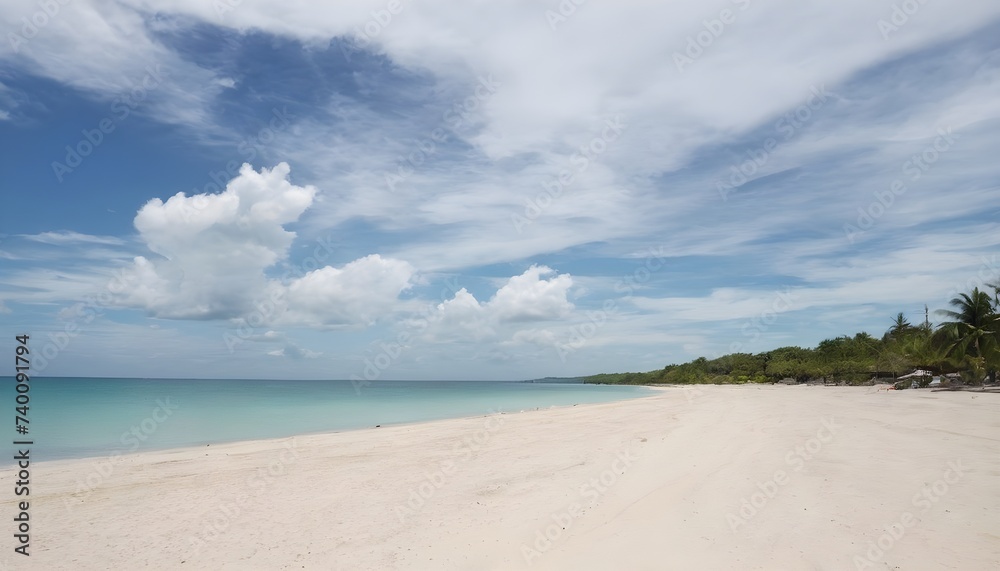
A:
{"x": 966, "y": 343}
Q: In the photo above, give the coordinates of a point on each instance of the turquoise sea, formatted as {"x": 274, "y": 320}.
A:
{"x": 86, "y": 417}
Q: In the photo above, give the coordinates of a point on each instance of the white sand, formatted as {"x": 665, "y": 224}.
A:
{"x": 674, "y": 467}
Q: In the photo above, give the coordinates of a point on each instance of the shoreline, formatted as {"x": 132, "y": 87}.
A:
{"x": 121, "y": 456}
{"x": 112, "y": 450}
{"x": 657, "y": 481}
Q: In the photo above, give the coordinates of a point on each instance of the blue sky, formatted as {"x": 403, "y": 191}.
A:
{"x": 452, "y": 190}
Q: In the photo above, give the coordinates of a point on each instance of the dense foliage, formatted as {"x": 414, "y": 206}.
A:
{"x": 968, "y": 344}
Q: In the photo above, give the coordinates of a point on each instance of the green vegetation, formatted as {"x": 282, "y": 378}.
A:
{"x": 971, "y": 339}
{"x": 968, "y": 344}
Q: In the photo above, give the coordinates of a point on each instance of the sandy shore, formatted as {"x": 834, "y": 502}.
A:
{"x": 756, "y": 477}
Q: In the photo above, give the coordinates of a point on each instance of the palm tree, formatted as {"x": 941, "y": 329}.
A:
{"x": 972, "y": 338}
{"x": 900, "y": 327}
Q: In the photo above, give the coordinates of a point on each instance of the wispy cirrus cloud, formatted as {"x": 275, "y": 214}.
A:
{"x": 70, "y": 237}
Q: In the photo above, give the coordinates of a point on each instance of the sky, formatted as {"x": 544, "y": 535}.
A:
{"x": 471, "y": 190}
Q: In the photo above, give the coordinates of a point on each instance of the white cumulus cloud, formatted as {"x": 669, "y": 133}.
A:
{"x": 213, "y": 251}
{"x": 523, "y": 298}
{"x": 358, "y": 293}
{"x": 527, "y": 297}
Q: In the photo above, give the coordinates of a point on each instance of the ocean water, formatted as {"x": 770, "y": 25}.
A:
{"x": 88, "y": 417}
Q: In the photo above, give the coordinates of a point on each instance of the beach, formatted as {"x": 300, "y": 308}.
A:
{"x": 707, "y": 477}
